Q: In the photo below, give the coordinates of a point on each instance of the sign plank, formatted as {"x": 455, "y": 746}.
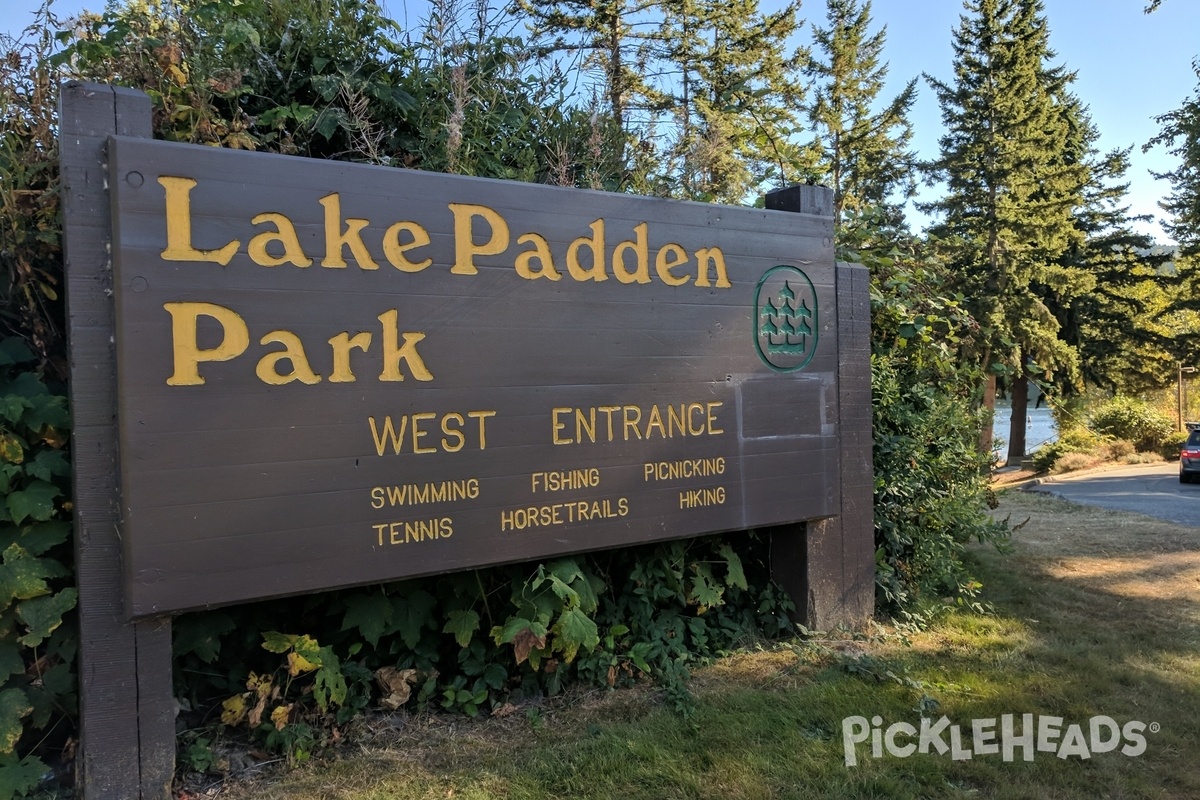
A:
{"x": 334, "y": 374}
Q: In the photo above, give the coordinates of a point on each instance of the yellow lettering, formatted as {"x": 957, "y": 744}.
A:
{"x": 706, "y": 255}
{"x": 585, "y": 425}
{"x": 641, "y": 253}
{"x": 293, "y": 351}
{"x": 482, "y": 416}
{"x": 465, "y": 248}
{"x": 395, "y": 252}
{"x": 342, "y": 344}
{"x": 418, "y": 434}
{"x": 692, "y": 409}
{"x": 632, "y": 415}
{"x": 669, "y": 257}
{"x": 389, "y": 433}
{"x": 559, "y": 425}
{"x": 608, "y": 410}
{"x": 676, "y": 422}
{"x": 179, "y": 227}
{"x": 540, "y": 251}
{"x": 185, "y": 319}
{"x": 595, "y": 243}
{"x": 713, "y": 430}
{"x": 455, "y": 432}
{"x": 285, "y": 234}
{"x": 336, "y": 239}
{"x": 655, "y": 421}
{"x": 393, "y": 353}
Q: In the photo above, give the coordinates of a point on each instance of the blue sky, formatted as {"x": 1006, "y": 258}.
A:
{"x": 1131, "y": 66}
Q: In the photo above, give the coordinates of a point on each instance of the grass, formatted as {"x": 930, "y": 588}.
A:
{"x": 1096, "y": 613}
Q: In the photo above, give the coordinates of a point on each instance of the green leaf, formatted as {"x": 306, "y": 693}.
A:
{"x": 35, "y": 501}
{"x": 14, "y": 706}
{"x": 462, "y": 623}
{"x": 574, "y": 630}
{"x": 14, "y": 351}
{"x": 705, "y": 590}
{"x": 735, "y": 576}
{"x": 11, "y": 450}
{"x": 276, "y": 642}
{"x": 59, "y": 679}
{"x": 411, "y": 614}
{"x": 329, "y": 686}
{"x": 11, "y": 662}
{"x": 48, "y": 464}
{"x": 200, "y": 634}
{"x": 370, "y": 613}
{"x": 19, "y": 777}
{"x": 21, "y": 576}
{"x": 37, "y": 538}
{"x": 11, "y": 408}
{"x": 43, "y": 614}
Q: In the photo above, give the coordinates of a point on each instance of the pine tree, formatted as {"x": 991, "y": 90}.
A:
{"x": 1011, "y": 185}
{"x": 864, "y": 152}
{"x": 1115, "y": 281}
{"x": 737, "y": 97}
{"x": 607, "y": 36}
{"x": 1181, "y": 134}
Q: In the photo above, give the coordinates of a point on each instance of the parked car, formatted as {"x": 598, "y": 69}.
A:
{"x": 1189, "y": 456}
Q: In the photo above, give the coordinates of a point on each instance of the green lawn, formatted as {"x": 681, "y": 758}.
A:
{"x": 1095, "y": 614}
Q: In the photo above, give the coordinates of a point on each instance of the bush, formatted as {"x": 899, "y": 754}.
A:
{"x": 1071, "y": 462}
{"x": 1076, "y": 439}
{"x": 931, "y": 489}
{"x": 1120, "y": 448}
{"x": 1135, "y": 420}
{"x": 1173, "y": 444}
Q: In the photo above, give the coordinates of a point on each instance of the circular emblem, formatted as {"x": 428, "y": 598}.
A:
{"x": 785, "y": 318}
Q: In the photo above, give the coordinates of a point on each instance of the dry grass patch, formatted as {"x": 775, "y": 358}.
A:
{"x": 1120, "y": 554}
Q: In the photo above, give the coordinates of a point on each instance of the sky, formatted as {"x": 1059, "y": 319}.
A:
{"x": 1130, "y": 67}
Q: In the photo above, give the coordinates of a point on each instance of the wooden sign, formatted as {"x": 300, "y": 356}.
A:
{"x": 334, "y": 374}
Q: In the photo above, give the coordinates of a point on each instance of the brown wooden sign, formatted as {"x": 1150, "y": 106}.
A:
{"x": 333, "y": 374}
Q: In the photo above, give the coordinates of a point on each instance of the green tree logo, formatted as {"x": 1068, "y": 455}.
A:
{"x": 785, "y": 318}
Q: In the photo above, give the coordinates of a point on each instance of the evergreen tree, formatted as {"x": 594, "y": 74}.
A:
{"x": 864, "y": 152}
{"x": 1119, "y": 279}
{"x": 736, "y": 95}
{"x": 1181, "y": 134}
{"x": 610, "y": 37}
{"x": 1011, "y": 185}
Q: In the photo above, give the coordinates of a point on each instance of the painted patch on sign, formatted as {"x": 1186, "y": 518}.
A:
{"x": 785, "y": 322}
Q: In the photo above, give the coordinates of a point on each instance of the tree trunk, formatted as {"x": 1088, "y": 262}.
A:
{"x": 989, "y": 405}
{"x": 1016, "y": 428}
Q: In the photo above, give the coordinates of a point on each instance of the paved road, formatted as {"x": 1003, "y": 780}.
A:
{"x": 1152, "y": 489}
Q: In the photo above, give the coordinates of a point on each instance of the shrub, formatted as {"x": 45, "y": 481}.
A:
{"x": 1143, "y": 458}
{"x": 1070, "y": 462}
{"x": 1173, "y": 444}
{"x": 1120, "y": 448}
{"x": 1135, "y": 420}
{"x": 1076, "y": 439}
{"x": 931, "y": 489}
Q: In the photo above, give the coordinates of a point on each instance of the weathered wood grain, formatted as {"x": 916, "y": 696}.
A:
{"x": 828, "y": 565}
{"x": 126, "y": 711}
{"x": 237, "y": 489}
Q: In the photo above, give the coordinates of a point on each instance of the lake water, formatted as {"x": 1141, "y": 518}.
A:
{"x": 1039, "y": 427}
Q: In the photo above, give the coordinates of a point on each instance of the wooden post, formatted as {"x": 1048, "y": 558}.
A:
{"x": 828, "y": 566}
{"x": 127, "y": 721}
